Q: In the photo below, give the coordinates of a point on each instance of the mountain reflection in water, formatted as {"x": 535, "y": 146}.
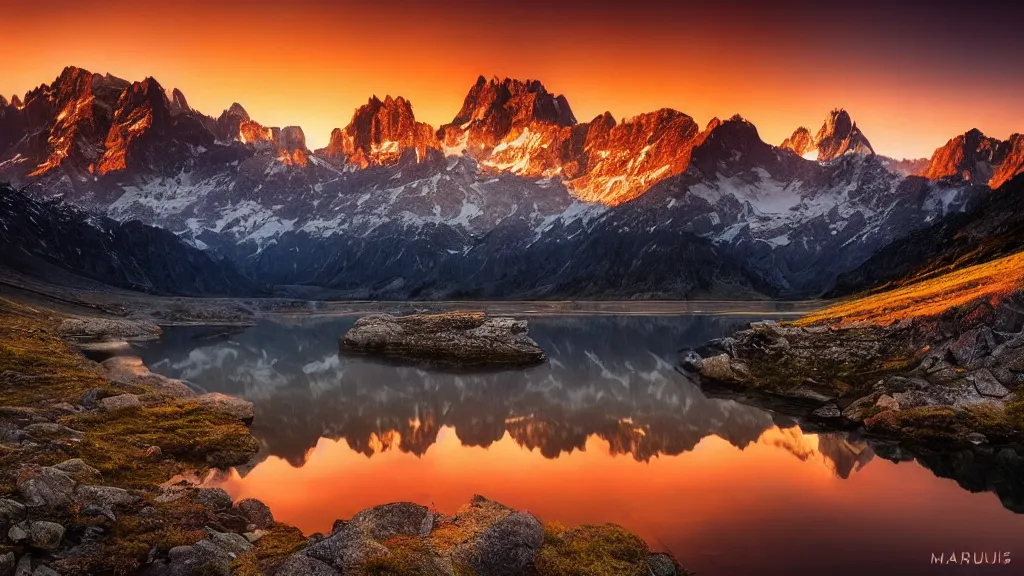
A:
{"x": 607, "y": 431}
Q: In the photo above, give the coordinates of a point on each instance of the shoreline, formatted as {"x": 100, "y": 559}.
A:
{"x": 93, "y": 457}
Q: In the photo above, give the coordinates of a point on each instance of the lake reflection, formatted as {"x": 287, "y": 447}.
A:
{"x": 607, "y": 431}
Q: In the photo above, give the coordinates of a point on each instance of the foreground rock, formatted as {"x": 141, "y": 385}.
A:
{"x": 454, "y": 339}
{"x": 483, "y": 538}
{"x": 954, "y": 378}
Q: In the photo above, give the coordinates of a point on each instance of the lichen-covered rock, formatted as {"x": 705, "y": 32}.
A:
{"x": 886, "y": 402}
{"x": 233, "y": 543}
{"x": 662, "y": 565}
{"x": 827, "y": 411}
{"x": 45, "y": 535}
{"x": 7, "y": 563}
{"x": 347, "y": 549}
{"x": 204, "y": 557}
{"x": 105, "y": 496}
{"x": 12, "y": 511}
{"x": 395, "y": 519}
{"x": 454, "y": 339}
{"x": 46, "y": 486}
{"x": 717, "y": 368}
{"x": 24, "y": 567}
{"x": 493, "y": 539}
{"x": 303, "y": 565}
{"x": 77, "y": 466}
{"x": 237, "y": 407}
{"x": 987, "y": 385}
{"x": 216, "y": 499}
{"x": 112, "y": 403}
{"x": 256, "y": 512}
{"x": 690, "y": 360}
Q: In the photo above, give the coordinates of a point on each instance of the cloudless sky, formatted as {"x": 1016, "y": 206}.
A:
{"x": 912, "y": 74}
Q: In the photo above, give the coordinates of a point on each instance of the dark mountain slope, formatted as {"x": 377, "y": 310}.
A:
{"x": 992, "y": 230}
{"x": 50, "y": 240}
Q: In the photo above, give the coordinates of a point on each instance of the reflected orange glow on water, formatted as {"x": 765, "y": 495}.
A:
{"x": 666, "y": 498}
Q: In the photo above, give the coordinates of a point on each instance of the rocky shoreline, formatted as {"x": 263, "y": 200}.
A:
{"x": 91, "y": 457}
{"x": 955, "y": 378}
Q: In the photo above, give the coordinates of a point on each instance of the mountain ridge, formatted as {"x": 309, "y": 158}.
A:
{"x": 391, "y": 209}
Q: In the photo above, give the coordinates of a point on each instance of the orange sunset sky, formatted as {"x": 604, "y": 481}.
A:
{"x": 911, "y": 75}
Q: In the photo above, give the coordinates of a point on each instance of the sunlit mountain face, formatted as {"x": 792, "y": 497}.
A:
{"x": 514, "y": 197}
{"x": 624, "y": 156}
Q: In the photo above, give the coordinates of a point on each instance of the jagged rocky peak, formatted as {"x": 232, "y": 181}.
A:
{"x": 837, "y": 136}
{"x": 734, "y": 143}
{"x": 179, "y": 105}
{"x": 801, "y": 142}
{"x": 379, "y": 134}
{"x": 16, "y": 101}
{"x": 622, "y": 161}
{"x": 495, "y": 108}
{"x": 142, "y": 108}
{"x": 235, "y": 125}
{"x": 291, "y": 146}
{"x": 3, "y": 101}
{"x": 975, "y": 157}
{"x": 1013, "y": 163}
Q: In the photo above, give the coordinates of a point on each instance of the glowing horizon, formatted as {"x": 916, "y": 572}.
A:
{"x": 313, "y": 63}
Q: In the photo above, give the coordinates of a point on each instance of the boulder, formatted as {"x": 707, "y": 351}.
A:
{"x": 347, "y": 549}
{"x": 717, "y": 368}
{"x": 987, "y": 385}
{"x": 7, "y": 564}
{"x": 690, "y": 360}
{"x": 105, "y": 496}
{"x": 203, "y": 557}
{"x": 112, "y": 403}
{"x": 91, "y": 398}
{"x": 46, "y": 486}
{"x": 237, "y": 407}
{"x": 827, "y": 411}
{"x": 12, "y": 511}
{"x": 972, "y": 346}
{"x": 233, "y": 543}
{"x": 505, "y": 548}
{"x": 857, "y": 410}
{"x": 24, "y": 567}
{"x": 886, "y": 402}
{"x": 77, "y": 466}
{"x": 216, "y": 499}
{"x": 257, "y": 512}
{"x": 302, "y": 565}
{"x": 452, "y": 339}
{"x": 19, "y": 532}
{"x": 45, "y": 571}
{"x": 395, "y": 519}
{"x": 45, "y": 535}
{"x": 659, "y": 564}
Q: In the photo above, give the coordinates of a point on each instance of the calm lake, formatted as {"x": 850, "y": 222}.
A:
{"x": 607, "y": 431}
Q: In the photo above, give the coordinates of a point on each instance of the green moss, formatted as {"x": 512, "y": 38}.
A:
{"x": 933, "y": 425}
{"x": 187, "y": 434}
{"x": 1015, "y": 410}
{"x": 588, "y": 550}
{"x": 280, "y": 542}
{"x": 126, "y": 549}
{"x": 408, "y": 556}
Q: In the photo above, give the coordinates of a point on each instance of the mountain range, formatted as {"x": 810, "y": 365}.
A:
{"x": 514, "y": 198}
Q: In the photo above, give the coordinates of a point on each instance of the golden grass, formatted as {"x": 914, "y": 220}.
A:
{"x": 927, "y": 298}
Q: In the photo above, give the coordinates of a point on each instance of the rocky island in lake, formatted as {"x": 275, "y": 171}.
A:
{"x": 470, "y": 340}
